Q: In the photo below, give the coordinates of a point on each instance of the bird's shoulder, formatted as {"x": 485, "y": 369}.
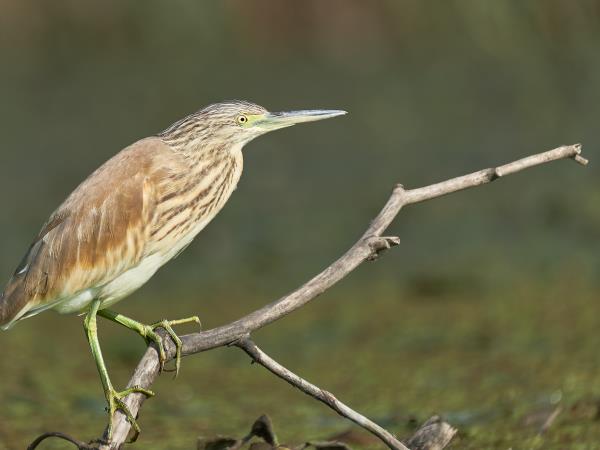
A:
{"x": 148, "y": 161}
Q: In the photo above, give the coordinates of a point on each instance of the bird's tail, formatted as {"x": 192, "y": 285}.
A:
{"x": 11, "y": 304}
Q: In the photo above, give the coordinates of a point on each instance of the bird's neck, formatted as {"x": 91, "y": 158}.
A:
{"x": 222, "y": 164}
{"x": 214, "y": 161}
{"x": 201, "y": 155}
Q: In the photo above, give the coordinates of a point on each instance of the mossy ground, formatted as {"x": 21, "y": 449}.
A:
{"x": 493, "y": 362}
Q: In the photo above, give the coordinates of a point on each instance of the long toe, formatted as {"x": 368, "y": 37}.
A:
{"x": 116, "y": 403}
{"x": 167, "y": 325}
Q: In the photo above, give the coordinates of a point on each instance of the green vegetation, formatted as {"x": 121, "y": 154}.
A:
{"x": 487, "y": 359}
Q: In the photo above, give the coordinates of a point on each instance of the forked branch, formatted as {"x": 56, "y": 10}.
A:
{"x": 366, "y": 248}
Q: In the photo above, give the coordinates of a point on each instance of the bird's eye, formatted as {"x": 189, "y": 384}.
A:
{"x": 241, "y": 119}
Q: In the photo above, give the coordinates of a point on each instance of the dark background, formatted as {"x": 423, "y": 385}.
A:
{"x": 488, "y": 310}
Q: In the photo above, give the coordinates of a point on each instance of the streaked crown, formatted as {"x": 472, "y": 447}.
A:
{"x": 218, "y": 123}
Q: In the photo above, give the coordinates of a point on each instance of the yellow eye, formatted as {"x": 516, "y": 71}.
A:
{"x": 241, "y": 119}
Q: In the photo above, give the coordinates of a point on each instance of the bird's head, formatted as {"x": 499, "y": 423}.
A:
{"x": 235, "y": 123}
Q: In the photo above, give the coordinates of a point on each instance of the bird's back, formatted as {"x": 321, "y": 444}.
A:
{"x": 141, "y": 203}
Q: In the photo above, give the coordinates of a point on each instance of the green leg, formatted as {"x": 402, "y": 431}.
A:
{"x": 150, "y": 335}
{"x": 113, "y": 397}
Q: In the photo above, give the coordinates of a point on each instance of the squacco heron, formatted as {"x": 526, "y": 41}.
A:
{"x": 132, "y": 215}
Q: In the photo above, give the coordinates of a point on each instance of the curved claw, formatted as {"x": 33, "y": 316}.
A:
{"x": 115, "y": 403}
{"x": 168, "y": 327}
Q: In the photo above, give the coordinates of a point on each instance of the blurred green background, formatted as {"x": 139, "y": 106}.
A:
{"x": 487, "y": 313}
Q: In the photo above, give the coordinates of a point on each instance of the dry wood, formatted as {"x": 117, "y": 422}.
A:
{"x": 62, "y": 436}
{"x": 328, "y": 398}
{"x": 366, "y": 248}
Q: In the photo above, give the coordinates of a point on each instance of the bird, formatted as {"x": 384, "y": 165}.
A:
{"x": 135, "y": 213}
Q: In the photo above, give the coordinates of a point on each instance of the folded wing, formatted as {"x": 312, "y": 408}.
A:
{"x": 98, "y": 233}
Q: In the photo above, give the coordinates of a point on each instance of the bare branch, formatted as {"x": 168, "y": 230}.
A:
{"x": 364, "y": 249}
{"x": 65, "y": 437}
{"x": 329, "y": 399}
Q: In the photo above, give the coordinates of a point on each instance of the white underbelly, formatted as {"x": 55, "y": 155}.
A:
{"x": 130, "y": 280}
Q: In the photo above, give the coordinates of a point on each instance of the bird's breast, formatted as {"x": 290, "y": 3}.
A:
{"x": 193, "y": 201}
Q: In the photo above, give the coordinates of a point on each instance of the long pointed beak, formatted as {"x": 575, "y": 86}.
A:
{"x": 276, "y": 120}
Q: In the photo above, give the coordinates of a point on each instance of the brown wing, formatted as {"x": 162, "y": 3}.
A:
{"x": 98, "y": 233}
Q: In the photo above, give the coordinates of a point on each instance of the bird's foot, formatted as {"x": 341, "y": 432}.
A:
{"x": 151, "y": 335}
{"x": 115, "y": 403}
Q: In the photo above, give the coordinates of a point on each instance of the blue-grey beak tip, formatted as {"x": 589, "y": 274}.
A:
{"x": 326, "y": 113}
{"x": 283, "y": 119}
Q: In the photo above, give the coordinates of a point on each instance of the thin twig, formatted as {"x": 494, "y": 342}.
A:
{"x": 550, "y": 420}
{"x": 366, "y": 248}
{"x": 329, "y": 399}
{"x": 55, "y": 434}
